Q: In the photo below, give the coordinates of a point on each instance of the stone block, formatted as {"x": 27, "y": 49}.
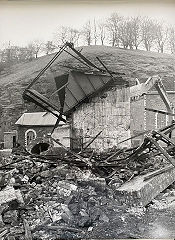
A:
{"x": 138, "y": 192}
{"x": 10, "y": 217}
{"x": 9, "y": 194}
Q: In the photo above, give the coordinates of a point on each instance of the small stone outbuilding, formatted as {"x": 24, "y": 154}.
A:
{"x": 38, "y": 125}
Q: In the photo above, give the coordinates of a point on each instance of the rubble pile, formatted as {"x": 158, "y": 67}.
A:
{"x": 52, "y": 197}
{"x": 51, "y": 200}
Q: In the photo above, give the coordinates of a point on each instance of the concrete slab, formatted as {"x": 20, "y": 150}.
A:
{"x": 138, "y": 192}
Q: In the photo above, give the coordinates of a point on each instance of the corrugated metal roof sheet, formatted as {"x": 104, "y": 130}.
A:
{"x": 78, "y": 86}
{"x": 37, "y": 119}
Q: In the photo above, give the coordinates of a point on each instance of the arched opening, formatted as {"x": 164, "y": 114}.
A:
{"x": 30, "y": 135}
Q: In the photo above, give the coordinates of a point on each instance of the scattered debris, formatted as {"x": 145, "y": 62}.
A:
{"x": 44, "y": 196}
{"x": 68, "y": 195}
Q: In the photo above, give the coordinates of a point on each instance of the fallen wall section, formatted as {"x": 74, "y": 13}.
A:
{"x": 138, "y": 192}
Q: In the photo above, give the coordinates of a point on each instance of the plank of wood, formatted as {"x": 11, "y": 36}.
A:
{"x": 2, "y": 234}
{"x": 28, "y": 233}
{"x": 92, "y": 141}
{"x": 73, "y": 153}
{"x": 151, "y": 175}
{"x": 163, "y": 151}
{"x": 165, "y": 137}
{"x": 109, "y": 159}
{"x": 160, "y": 111}
{"x": 140, "y": 149}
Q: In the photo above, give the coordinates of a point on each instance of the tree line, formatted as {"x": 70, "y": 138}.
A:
{"x": 118, "y": 31}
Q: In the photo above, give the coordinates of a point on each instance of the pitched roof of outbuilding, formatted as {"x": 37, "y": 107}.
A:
{"x": 37, "y": 119}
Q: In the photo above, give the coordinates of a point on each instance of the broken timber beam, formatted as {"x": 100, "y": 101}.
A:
{"x": 164, "y": 136}
{"x": 140, "y": 149}
{"x": 2, "y": 234}
{"x": 160, "y": 111}
{"x": 28, "y": 233}
{"x": 158, "y": 172}
{"x": 162, "y": 150}
{"x": 92, "y": 140}
{"x": 109, "y": 159}
{"x": 72, "y": 153}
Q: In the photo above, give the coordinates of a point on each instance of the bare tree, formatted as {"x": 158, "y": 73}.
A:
{"x": 161, "y": 32}
{"x": 66, "y": 34}
{"x": 148, "y": 33}
{"x": 136, "y": 23}
{"x": 74, "y": 36}
{"x": 172, "y": 39}
{"x": 102, "y": 28}
{"x": 60, "y": 36}
{"x": 113, "y": 29}
{"x": 87, "y": 33}
{"x": 49, "y": 47}
{"x": 35, "y": 47}
{"x": 126, "y": 33}
{"x": 95, "y": 32}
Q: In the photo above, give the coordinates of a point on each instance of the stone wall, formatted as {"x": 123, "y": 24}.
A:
{"x": 108, "y": 112}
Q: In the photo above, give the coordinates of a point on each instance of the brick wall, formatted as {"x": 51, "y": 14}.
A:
{"x": 137, "y": 113}
{"x": 40, "y": 131}
{"x": 154, "y": 101}
{"x": 109, "y": 112}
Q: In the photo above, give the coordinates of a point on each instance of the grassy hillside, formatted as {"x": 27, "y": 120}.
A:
{"x": 135, "y": 64}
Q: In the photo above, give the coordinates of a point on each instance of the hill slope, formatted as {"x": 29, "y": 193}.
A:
{"x": 135, "y": 64}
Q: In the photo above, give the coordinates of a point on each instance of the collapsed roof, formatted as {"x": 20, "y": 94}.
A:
{"x": 76, "y": 86}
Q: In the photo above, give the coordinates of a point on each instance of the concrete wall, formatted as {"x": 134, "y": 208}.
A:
{"x": 109, "y": 112}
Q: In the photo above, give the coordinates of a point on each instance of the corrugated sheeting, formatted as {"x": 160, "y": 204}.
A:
{"x": 78, "y": 87}
{"x": 37, "y": 119}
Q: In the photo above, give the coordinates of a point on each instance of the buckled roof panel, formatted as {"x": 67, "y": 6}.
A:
{"x": 79, "y": 87}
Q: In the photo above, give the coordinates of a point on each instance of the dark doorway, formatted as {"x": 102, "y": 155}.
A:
{"x": 14, "y": 141}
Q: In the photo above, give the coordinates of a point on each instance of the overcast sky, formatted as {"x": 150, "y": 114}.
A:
{"x": 25, "y": 20}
